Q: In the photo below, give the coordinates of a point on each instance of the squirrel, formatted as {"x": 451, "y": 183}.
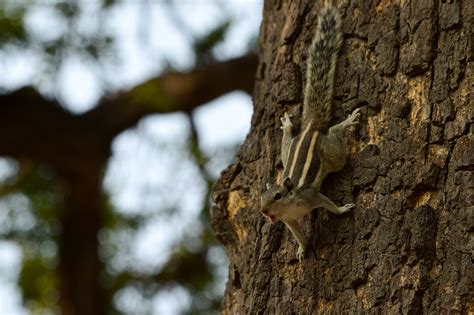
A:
{"x": 318, "y": 150}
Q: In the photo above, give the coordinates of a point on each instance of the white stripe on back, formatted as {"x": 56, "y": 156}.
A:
{"x": 297, "y": 151}
{"x": 309, "y": 159}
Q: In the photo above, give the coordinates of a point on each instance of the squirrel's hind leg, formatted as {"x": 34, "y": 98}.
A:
{"x": 351, "y": 120}
{"x": 334, "y": 145}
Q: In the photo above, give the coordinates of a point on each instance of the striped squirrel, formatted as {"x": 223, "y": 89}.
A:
{"x": 316, "y": 151}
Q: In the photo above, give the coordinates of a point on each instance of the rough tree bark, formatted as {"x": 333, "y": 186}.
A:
{"x": 407, "y": 247}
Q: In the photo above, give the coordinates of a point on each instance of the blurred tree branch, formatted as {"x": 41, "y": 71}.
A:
{"x": 35, "y": 127}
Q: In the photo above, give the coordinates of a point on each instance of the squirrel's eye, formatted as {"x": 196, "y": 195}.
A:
{"x": 277, "y": 196}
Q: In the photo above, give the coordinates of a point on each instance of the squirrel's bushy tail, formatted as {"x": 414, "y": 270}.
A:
{"x": 321, "y": 66}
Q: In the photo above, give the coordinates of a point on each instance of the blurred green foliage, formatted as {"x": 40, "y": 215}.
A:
{"x": 37, "y": 230}
{"x": 191, "y": 265}
{"x": 204, "y": 45}
{"x": 11, "y": 24}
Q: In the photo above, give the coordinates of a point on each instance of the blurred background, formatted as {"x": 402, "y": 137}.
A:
{"x": 156, "y": 249}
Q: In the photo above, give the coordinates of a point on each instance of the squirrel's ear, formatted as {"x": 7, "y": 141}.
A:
{"x": 267, "y": 186}
{"x": 288, "y": 184}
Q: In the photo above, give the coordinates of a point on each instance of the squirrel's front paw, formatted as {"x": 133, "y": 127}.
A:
{"x": 346, "y": 208}
{"x": 300, "y": 253}
{"x": 286, "y": 122}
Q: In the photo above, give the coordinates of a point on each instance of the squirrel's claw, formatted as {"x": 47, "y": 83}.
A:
{"x": 299, "y": 253}
{"x": 286, "y": 122}
{"x": 352, "y": 119}
{"x": 346, "y": 208}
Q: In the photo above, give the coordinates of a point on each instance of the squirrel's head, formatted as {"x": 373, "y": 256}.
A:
{"x": 274, "y": 201}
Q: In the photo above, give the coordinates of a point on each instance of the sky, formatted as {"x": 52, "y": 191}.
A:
{"x": 125, "y": 180}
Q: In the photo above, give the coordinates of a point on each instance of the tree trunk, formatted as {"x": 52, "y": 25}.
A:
{"x": 407, "y": 247}
{"x": 80, "y": 289}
